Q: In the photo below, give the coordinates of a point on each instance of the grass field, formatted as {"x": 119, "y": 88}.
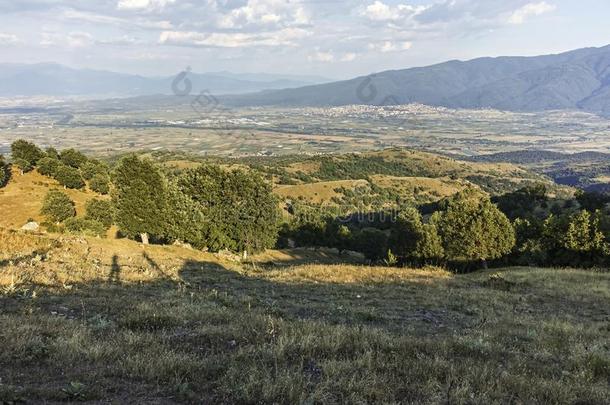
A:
{"x": 112, "y": 320}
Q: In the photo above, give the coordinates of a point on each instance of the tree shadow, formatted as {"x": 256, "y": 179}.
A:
{"x": 154, "y": 265}
{"x": 22, "y": 259}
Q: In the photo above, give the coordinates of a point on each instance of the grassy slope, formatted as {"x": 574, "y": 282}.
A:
{"x": 23, "y": 196}
{"x": 105, "y": 319}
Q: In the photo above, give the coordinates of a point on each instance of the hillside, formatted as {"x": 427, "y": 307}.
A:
{"x": 98, "y": 320}
{"x": 573, "y": 80}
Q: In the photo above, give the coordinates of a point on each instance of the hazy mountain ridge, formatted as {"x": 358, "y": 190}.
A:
{"x": 578, "y": 79}
{"x": 57, "y": 80}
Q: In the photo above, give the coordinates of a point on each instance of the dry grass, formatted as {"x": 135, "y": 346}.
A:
{"x": 321, "y": 192}
{"x": 22, "y": 198}
{"x": 112, "y": 320}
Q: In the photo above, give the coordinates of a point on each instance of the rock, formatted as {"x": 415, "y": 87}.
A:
{"x": 31, "y": 227}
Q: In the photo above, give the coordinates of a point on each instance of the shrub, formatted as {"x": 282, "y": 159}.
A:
{"x": 100, "y": 183}
{"x": 101, "y": 211}
{"x": 73, "y": 158}
{"x": 52, "y": 153}
{"x": 92, "y": 168}
{"x": 5, "y": 172}
{"x": 58, "y": 206}
{"x": 85, "y": 226}
{"x": 69, "y": 177}
{"x": 48, "y": 166}
{"x": 23, "y": 165}
{"x": 27, "y": 151}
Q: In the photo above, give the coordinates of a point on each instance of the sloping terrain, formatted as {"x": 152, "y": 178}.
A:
{"x": 100, "y": 320}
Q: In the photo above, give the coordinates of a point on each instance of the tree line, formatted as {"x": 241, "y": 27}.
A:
{"x": 212, "y": 207}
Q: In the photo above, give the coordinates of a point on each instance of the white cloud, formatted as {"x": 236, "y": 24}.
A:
{"x": 71, "y": 40}
{"x": 530, "y": 10}
{"x": 104, "y": 19}
{"x": 284, "y": 37}
{"x": 319, "y": 56}
{"x": 265, "y": 13}
{"x": 348, "y": 57}
{"x": 8, "y": 39}
{"x": 143, "y": 5}
{"x": 379, "y": 11}
{"x": 391, "y": 46}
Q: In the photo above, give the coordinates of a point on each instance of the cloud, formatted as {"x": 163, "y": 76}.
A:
{"x": 71, "y": 40}
{"x": 391, "y": 46}
{"x": 143, "y": 5}
{"x": 8, "y": 39}
{"x": 530, "y": 10}
{"x": 118, "y": 21}
{"x": 348, "y": 57}
{"x": 319, "y": 56}
{"x": 265, "y": 13}
{"x": 284, "y": 37}
{"x": 379, "y": 11}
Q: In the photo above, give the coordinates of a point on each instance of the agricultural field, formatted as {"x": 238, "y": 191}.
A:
{"x": 111, "y": 320}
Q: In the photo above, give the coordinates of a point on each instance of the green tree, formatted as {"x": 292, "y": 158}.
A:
{"x": 69, "y": 177}
{"x": 73, "y": 158}
{"x": 23, "y": 165}
{"x": 100, "y": 183}
{"x": 185, "y": 221}
{"x": 474, "y": 229}
{"x": 372, "y": 242}
{"x": 94, "y": 167}
{"x": 413, "y": 240}
{"x": 27, "y": 151}
{"x": 52, "y": 153}
{"x": 101, "y": 211}
{"x": 240, "y": 207}
{"x": 57, "y": 206}
{"x": 48, "y": 166}
{"x": 140, "y": 198}
{"x": 85, "y": 226}
{"x": 5, "y": 172}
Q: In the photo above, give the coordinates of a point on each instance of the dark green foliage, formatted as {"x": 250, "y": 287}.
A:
{"x": 69, "y": 177}
{"x": 93, "y": 168}
{"x": 185, "y": 221}
{"x": 27, "y": 151}
{"x": 240, "y": 208}
{"x": 85, "y": 226}
{"x": 52, "y": 153}
{"x": 415, "y": 241}
{"x": 473, "y": 229}
{"x": 592, "y": 201}
{"x": 5, "y": 172}
{"x": 23, "y": 165}
{"x": 372, "y": 242}
{"x": 58, "y": 206}
{"x": 140, "y": 198}
{"x": 101, "y": 211}
{"x": 522, "y": 203}
{"x": 47, "y": 166}
{"x": 73, "y": 158}
{"x": 100, "y": 183}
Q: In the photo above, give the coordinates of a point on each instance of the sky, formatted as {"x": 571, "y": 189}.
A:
{"x": 331, "y": 38}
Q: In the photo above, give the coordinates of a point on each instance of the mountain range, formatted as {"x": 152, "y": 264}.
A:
{"x": 578, "y": 79}
{"x": 575, "y": 80}
{"x": 50, "y": 79}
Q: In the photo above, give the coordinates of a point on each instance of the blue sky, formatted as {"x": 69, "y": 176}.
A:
{"x": 333, "y": 38}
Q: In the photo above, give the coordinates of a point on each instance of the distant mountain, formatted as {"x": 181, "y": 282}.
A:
{"x": 578, "y": 79}
{"x": 50, "y": 79}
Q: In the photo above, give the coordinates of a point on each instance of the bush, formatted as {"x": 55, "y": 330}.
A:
{"x": 5, "y": 172}
{"x": 85, "y": 226}
{"x": 23, "y": 165}
{"x": 48, "y": 166}
{"x": 52, "y": 153}
{"x": 69, "y": 177}
{"x": 100, "y": 183}
{"x": 101, "y": 211}
{"x": 73, "y": 158}
{"x": 92, "y": 168}
{"x": 58, "y": 206}
{"x": 372, "y": 242}
{"x": 27, "y": 151}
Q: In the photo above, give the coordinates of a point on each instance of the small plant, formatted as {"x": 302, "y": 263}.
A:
{"x": 76, "y": 391}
